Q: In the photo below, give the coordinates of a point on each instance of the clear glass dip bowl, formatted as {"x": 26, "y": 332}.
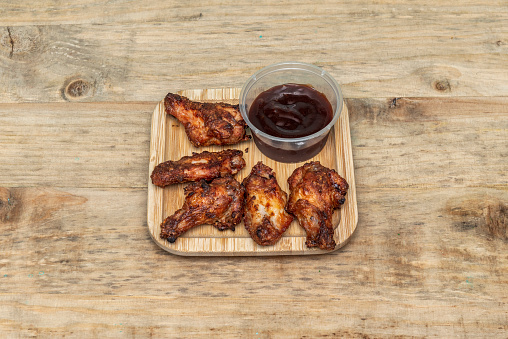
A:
{"x": 291, "y": 150}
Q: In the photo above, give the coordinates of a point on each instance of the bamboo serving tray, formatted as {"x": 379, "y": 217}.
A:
{"x": 169, "y": 142}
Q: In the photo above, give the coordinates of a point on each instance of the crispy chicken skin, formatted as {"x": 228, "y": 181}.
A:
{"x": 205, "y": 165}
{"x": 219, "y": 203}
{"x": 206, "y": 123}
{"x": 315, "y": 191}
{"x": 265, "y": 218}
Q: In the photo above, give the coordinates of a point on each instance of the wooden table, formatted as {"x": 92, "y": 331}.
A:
{"x": 426, "y": 84}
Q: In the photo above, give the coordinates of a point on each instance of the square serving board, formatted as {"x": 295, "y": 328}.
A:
{"x": 169, "y": 142}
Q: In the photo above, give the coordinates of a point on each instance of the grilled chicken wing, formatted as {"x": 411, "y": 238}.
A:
{"x": 315, "y": 192}
{"x": 219, "y": 203}
{"x": 265, "y": 218}
{"x": 205, "y": 165}
{"x": 206, "y": 123}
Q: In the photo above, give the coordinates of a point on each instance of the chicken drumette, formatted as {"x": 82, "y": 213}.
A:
{"x": 219, "y": 203}
{"x": 206, "y": 123}
{"x": 315, "y": 192}
{"x": 265, "y": 218}
{"x": 205, "y": 165}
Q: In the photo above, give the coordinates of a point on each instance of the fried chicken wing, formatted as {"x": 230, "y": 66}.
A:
{"x": 265, "y": 218}
{"x": 315, "y": 192}
{"x": 206, "y": 123}
{"x": 205, "y": 165}
{"x": 219, "y": 203}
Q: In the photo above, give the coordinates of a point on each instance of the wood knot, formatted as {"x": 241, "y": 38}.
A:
{"x": 442, "y": 86}
{"x": 393, "y": 103}
{"x": 486, "y": 213}
{"x": 7, "y": 204}
{"x": 76, "y": 89}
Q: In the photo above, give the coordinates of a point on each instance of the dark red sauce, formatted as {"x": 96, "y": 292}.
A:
{"x": 291, "y": 111}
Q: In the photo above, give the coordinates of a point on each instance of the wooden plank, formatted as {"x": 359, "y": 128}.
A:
{"x": 82, "y": 145}
{"x": 162, "y": 317}
{"x": 425, "y": 262}
{"x": 410, "y": 142}
{"x": 169, "y": 142}
{"x": 86, "y": 233}
{"x": 395, "y": 50}
{"x": 413, "y": 142}
{"x": 124, "y": 11}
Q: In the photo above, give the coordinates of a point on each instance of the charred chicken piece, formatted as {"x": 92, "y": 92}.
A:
{"x": 205, "y": 165}
{"x": 219, "y": 203}
{"x": 315, "y": 192}
{"x": 206, "y": 123}
{"x": 265, "y": 218}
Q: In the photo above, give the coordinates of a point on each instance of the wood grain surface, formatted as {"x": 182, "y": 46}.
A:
{"x": 115, "y": 52}
{"x": 426, "y": 84}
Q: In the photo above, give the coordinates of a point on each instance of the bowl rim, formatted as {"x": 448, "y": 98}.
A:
{"x": 288, "y": 65}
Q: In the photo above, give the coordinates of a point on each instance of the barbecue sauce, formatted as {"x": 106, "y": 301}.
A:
{"x": 291, "y": 111}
